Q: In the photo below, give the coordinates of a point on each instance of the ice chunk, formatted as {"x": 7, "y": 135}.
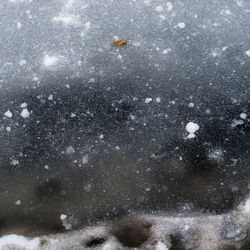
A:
{"x": 161, "y": 246}
{"x": 243, "y": 116}
{"x": 18, "y": 202}
{"x": 191, "y": 128}
{"x": 50, "y": 61}
{"x": 8, "y": 114}
{"x": 25, "y": 113}
{"x": 169, "y": 6}
{"x": 148, "y": 100}
{"x": 70, "y": 150}
{"x": 8, "y": 129}
{"x": 181, "y": 25}
{"x": 159, "y": 8}
{"x": 14, "y": 162}
{"x": 248, "y": 53}
{"x": 50, "y": 98}
{"x": 24, "y": 105}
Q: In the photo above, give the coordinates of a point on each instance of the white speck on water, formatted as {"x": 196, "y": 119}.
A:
{"x": 120, "y": 56}
{"x": 191, "y": 105}
{"x": 158, "y": 99}
{"x": 70, "y": 150}
{"x": 117, "y": 148}
{"x": 236, "y": 122}
{"x": 187, "y": 227}
{"x": 162, "y": 17}
{"x": 224, "y": 48}
{"x": 24, "y": 105}
{"x": 50, "y": 98}
{"x": 165, "y": 51}
{"x": 46, "y": 167}
{"x": 148, "y": 100}
{"x": 49, "y": 61}
{"x": 8, "y": 114}
{"x": 161, "y": 246}
{"x": 87, "y": 188}
{"x": 228, "y": 12}
{"x": 85, "y": 159}
{"x": 101, "y": 136}
{"x": 63, "y": 216}
{"x": 73, "y": 115}
{"x": 181, "y": 25}
{"x": 18, "y": 25}
{"x": 248, "y": 53}
{"x": 22, "y": 62}
{"x": 8, "y": 129}
{"x": 87, "y": 25}
{"x": 18, "y": 202}
{"x": 14, "y": 162}
{"x": 243, "y": 115}
{"x": 246, "y": 207}
{"x": 191, "y": 128}
{"x": 159, "y": 8}
{"x": 169, "y": 6}
{"x": 25, "y": 113}
{"x": 116, "y": 37}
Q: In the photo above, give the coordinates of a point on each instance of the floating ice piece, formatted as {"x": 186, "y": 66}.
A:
{"x": 8, "y": 129}
{"x": 70, "y": 150}
{"x": 8, "y": 114}
{"x": 161, "y": 246}
{"x": 158, "y": 99}
{"x": 165, "y": 51}
{"x": 63, "y": 216}
{"x": 14, "y": 162}
{"x": 181, "y": 25}
{"x": 248, "y": 53}
{"x": 191, "y": 105}
{"x": 191, "y": 128}
{"x": 243, "y": 116}
{"x": 18, "y": 202}
{"x": 24, "y": 105}
{"x": 236, "y": 122}
{"x": 13, "y": 241}
{"x": 148, "y": 100}
{"x": 50, "y": 98}
{"x": 50, "y": 61}
{"x": 25, "y": 113}
{"x": 169, "y": 6}
{"x": 18, "y": 25}
{"x": 159, "y": 8}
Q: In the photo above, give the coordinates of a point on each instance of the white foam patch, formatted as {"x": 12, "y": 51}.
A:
{"x": 15, "y": 241}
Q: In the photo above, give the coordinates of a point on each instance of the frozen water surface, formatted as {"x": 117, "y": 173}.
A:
{"x": 91, "y": 132}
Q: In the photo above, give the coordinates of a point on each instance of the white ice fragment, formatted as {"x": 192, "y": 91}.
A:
{"x": 14, "y": 162}
{"x": 22, "y": 62}
{"x": 24, "y": 105}
{"x": 161, "y": 246}
{"x": 8, "y": 114}
{"x": 243, "y": 115}
{"x": 248, "y": 53}
{"x": 25, "y": 113}
{"x": 169, "y": 6}
{"x": 101, "y": 136}
{"x": 236, "y": 122}
{"x": 63, "y": 216}
{"x": 224, "y": 48}
{"x": 70, "y": 150}
{"x": 181, "y": 25}
{"x": 228, "y": 12}
{"x": 18, "y": 202}
{"x": 50, "y": 98}
{"x": 165, "y": 51}
{"x": 148, "y": 100}
{"x": 186, "y": 227}
{"x": 158, "y": 99}
{"x": 73, "y": 115}
{"x": 120, "y": 56}
{"x": 18, "y": 25}
{"x": 87, "y": 187}
{"x": 191, "y": 105}
{"x": 159, "y": 8}
{"x": 13, "y": 241}
{"x": 246, "y": 207}
{"x": 116, "y": 37}
{"x": 191, "y": 128}
{"x": 8, "y": 129}
{"x": 46, "y": 167}
{"x": 117, "y": 148}
{"x": 85, "y": 159}
{"x": 87, "y": 25}
{"x": 49, "y": 61}
{"x": 162, "y": 17}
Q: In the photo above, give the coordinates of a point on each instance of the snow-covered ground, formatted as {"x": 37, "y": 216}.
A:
{"x": 90, "y": 133}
